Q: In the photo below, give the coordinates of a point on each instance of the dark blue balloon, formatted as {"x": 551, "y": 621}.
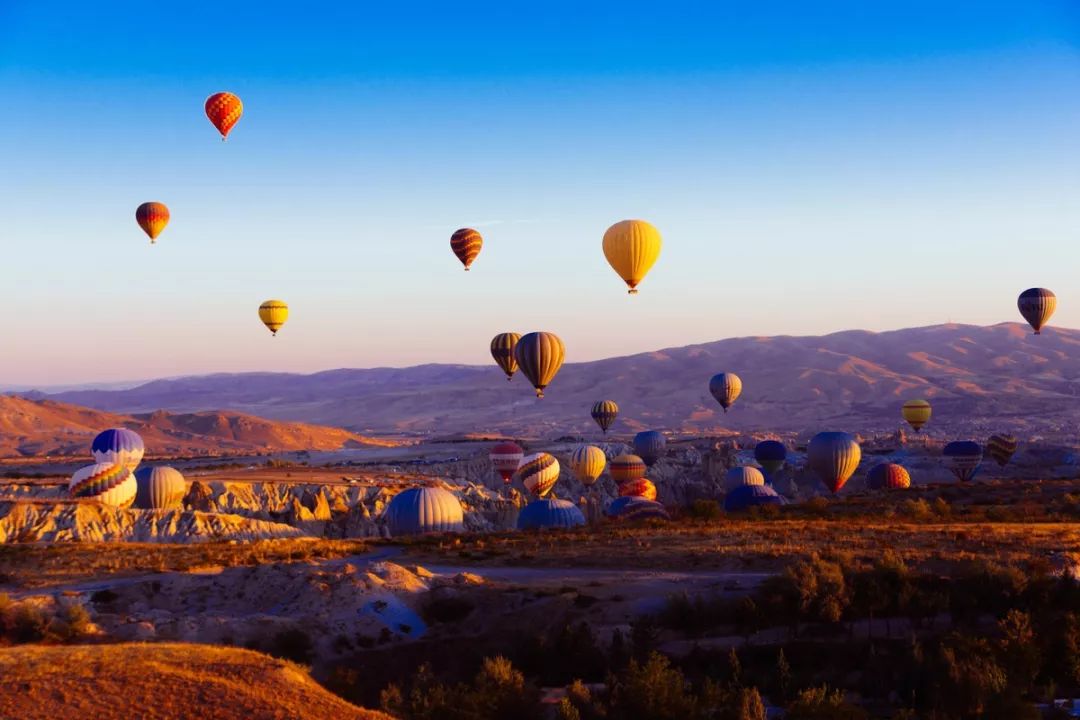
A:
{"x": 423, "y": 510}
{"x": 649, "y": 446}
{"x": 748, "y": 496}
{"x": 632, "y": 507}
{"x": 550, "y": 513}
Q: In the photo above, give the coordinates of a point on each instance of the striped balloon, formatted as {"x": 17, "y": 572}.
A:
{"x": 540, "y": 355}
{"x": 743, "y": 475}
{"x": 627, "y": 468}
{"x": 506, "y": 457}
{"x": 888, "y": 476}
{"x": 916, "y": 413}
{"x": 466, "y": 244}
{"x": 643, "y": 488}
{"x": 631, "y": 248}
{"x": 152, "y": 217}
{"x": 158, "y": 487}
{"x": 118, "y": 445}
{"x": 502, "y": 349}
{"x": 649, "y": 446}
{"x": 224, "y": 110}
{"x": 109, "y": 483}
{"x": 273, "y": 314}
{"x": 424, "y": 510}
{"x": 726, "y": 388}
{"x": 963, "y": 458}
{"x": 834, "y": 456}
{"x": 632, "y": 508}
{"x": 604, "y": 413}
{"x": 587, "y": 462}
{"x": 538, "y": 473}
{"x": 1037, "y": 305}
{"x": 1001, "y": 448}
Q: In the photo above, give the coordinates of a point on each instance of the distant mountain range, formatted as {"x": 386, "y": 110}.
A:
{"x": 996, "y": 377}
{"x": 46, "y": 427}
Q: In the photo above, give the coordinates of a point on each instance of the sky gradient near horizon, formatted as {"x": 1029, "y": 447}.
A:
{"x": 812, "y": 167}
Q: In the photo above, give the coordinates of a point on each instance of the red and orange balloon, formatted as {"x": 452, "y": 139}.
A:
{"x": 224, "y": 110}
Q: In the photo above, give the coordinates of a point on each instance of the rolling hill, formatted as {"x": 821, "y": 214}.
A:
{"x": 46, "y": 427}
{"x": 980, "y": 377}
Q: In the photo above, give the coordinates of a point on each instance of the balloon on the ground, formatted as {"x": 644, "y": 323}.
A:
{"x": 1036, "y": 306}
{"x": 539, "y": 355}
{"x": 916, "y": 413}
{"x": 506, "y": 457}
{"x": 550, "y": 513}
{"x": 963, "y": 458}
{"x": 538, "y": 473}
{"x": 158, "y": 487}
{"x": 888, "y": 476}
{"x": 834, "y": 457}
{"x": 749, "y": 496}
{"x": 649, "y": 446}
{"x": 224, "y": 110}
{"x": 502, "y": 350}
{"x": 631, "y": 248}
{"x": 627, "y": 468}
{"x": 771, "y": 455}
{"x": 110, "y": 483}
{"x": 604, "y": 413}
{"x": 742, "y": 475}
{"x": 726, "y": 388}
{"x": 643, "y": 488}
{"x": 466, "y": 244}
{"x": 152, "y": 217}
{"x": 1001, "y": 448}
{"x": 424, "y": 510}
{"x": 631, "y": 508}
{"x": 118, "y": 445}
{"x": 273, "y": 314}
{"x": 588, "y": 462}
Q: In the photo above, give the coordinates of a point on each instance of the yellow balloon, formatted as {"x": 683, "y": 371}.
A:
{"x": 916, "y": 413}
{"x": 273, "y": 314}
{"x": 587, "y": 462}
{"x": 631, "y": 247}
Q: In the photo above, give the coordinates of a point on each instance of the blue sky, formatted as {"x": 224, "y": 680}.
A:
{"x": 812, "y": 166}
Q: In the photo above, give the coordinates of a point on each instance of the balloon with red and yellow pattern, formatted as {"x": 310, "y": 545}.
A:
{"x": 224, "y": 110}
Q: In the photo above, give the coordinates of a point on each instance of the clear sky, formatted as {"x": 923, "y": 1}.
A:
{"x": 812, "y": 166}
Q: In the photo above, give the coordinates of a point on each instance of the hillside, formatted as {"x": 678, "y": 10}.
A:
{"x": 167, "y": 680}
{"x": 978, "y": 378}
{"x": 46, "y": 427}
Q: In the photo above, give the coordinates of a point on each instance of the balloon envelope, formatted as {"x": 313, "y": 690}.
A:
{"x": 506, "y": 457}
{"x": 748, "y": 496}
{"x": 273, "y": 314}
{"x": 539, "y": 355}
{"x": 916, "y": 413}
{"x": 466, "y": 244}
{"x": 963, "y": 458}
{"x": 604, "y": 413}
{"x": 110, "y": 483}
{"x": 771, "y": 455}
{"x": 649, "y": 446}
{"x": 587, "y": 462}
{"x": 834, "y": 456}
{"x": 643, "y": 488}
{"x": 636, "y": 508}
{"x": 726, "y": 388}
{"x": 1001, "y": 448}
{"x": 631, "y": 248}
{"x": 550, "y": 513}
{"x": 152, "y": 217}
{"x": 538, "y": 473}
{"x": 627, "y": 468}
{"x": 224, "y": 110}
{"x": 742, "y": 475}
{"x": 1036, "y": 305}
{"x": 888, "y": 476}
{"x": 502, "y": 350}
{"x": 118, "y": 445}
{"x": 424, "y": 510}
{"x": 158, "y": 487}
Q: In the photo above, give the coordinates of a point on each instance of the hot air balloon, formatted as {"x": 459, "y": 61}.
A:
{"x": 834, "y": 456}
{"x": 152, "y": 217}
{"x": 1001, "y": 448}
{"x": 963, "y": 457}
{"x": 916, "y": 413}
{"x": 110, "y": 483}
{"x": 888, "y": 476}
{"x": 604, "y": 413}
{"x": 771, "y": 455}
{"x": 224, "y": 110}
{"x": 273, "y": 314}
{"x": 506, "y": 457}
{"x": 742, "y": 475}
{"x": 158, "y": 487}
{"x": 749, "y": 496}
{"x": 539, "y": 355}
{"x": 466, "y": 244}
{"x": 649, "y": 446}
{"x": 726, "y": 388}
{"x": 538, "y": 473}
{"x": 631, "y": 247}
{"x": 118, "y": 445}
{"x": 424, "y": 510}
{"x": 550, "y": 513}
{"x": 631, "y": 507}
{"x": 627, "y": 468}
{"x": 1037, "y": 305}
{"x": 587, "y": 462}
{"x": 643, "y": 488}
{"x": 502, "y": 349}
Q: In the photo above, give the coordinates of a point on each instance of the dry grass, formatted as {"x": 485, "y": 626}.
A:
{"x": 161, "y": 682}
{"x": 41, "y": 565}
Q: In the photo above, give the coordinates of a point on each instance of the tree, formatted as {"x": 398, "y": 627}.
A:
{"x": 821, "y": 704}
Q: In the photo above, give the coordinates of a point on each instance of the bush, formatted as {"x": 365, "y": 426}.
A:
{"x": 820, "y": 704}
{"x": 708, "y": 510}
{"x": 293, "y": 644}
